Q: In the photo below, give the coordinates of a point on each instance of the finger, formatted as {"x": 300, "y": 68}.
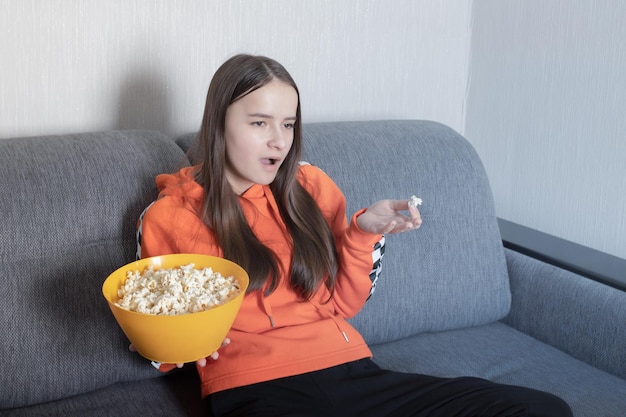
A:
{"x": 180, "y": 365}
{"x": 389, "y": 228}
{"x": 214, "y": 355}
{"x": 399, "y": 205}
{"x": 132, "y": 348}
{"x": 416, "y": 216}
{"x": 405, "y": 227}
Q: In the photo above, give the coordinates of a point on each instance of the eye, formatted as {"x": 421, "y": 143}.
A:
{"x": 258, "y": 123}
{"x": 289, "y": 125}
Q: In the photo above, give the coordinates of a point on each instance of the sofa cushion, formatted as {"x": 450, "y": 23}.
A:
{"x": 69, "y": 211}
{"x": 175, "y": 395}
{"x": 502, "y": 354}
{"x": 451, "y": 273}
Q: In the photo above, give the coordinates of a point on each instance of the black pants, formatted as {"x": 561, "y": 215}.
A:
{"x": 362, "y": 389}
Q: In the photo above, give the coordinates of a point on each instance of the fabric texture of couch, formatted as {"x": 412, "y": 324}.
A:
{"x": 451, "y": 300}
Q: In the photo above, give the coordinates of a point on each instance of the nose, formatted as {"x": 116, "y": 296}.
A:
{"x": 279, "y": 138}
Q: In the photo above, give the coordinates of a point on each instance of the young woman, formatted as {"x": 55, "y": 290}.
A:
{"x": 251, "y": 201}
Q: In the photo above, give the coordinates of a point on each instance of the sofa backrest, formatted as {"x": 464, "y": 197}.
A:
{"x": 451, "y": 273}
{"x": 69, "y": 207}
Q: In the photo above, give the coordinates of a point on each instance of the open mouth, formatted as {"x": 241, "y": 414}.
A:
{"x": 271, "y": 161}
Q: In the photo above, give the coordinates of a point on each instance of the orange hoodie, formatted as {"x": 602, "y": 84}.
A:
{"x": 278, "y": 335}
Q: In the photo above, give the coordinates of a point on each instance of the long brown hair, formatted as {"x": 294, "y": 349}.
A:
{"x": 314, "y": 257}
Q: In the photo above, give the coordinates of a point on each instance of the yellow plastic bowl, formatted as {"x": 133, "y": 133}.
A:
{"x": 181, "y": 338}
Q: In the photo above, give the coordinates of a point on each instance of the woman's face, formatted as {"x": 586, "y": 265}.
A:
{"x": 259, "y": 134}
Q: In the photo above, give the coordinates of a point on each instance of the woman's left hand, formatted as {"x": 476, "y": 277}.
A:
{"x": 385, "y": 217}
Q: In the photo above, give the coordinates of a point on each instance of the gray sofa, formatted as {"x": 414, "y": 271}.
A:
{"x": 450, "y": 301}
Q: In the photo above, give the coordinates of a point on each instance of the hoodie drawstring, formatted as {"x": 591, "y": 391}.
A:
{"x": 268, "y": 311}
{"x": 332, "y": 317}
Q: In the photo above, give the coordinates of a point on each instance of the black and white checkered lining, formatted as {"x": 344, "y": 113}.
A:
{"x": 139, "y": 231}
{"x": 377, "y": 258}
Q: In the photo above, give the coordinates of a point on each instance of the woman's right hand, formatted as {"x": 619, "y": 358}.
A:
{"x": 385, "y": 216}
{"x": 200, "y": 362}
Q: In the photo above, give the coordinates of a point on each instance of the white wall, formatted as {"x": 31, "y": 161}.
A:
{"x": 87, "y": 65}
{"x": 546, "y": 110}
{"x": 544, "y": 104}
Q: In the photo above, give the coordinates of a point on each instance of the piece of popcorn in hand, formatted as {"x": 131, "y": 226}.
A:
{"x": 415, "y": 201}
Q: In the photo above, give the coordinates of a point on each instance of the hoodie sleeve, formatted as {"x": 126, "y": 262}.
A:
{"x": 360, "y": 258}
{"x": 153, "y": 239}
{"x": 156, "y": 230}
{"x": 359, "y": 252}
{"x": 158, "y": 233}
{"x": 171, "y": 225}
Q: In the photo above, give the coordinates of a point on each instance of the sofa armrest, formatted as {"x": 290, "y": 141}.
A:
{"x": 582, "y": 317}
{"x": 581, "y": 260}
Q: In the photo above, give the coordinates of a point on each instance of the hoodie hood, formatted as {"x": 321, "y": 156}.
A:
{"x": 180, "y": 184}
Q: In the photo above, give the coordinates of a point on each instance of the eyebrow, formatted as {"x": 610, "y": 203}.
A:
{"x": 267, "y": 116}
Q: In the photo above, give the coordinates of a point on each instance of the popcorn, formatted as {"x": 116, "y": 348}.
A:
{"x": 175, "y": 291}
{"x": 415, "y": 201}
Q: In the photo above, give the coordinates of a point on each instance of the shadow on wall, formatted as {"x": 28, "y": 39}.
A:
{"x": 144, "y": 102}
